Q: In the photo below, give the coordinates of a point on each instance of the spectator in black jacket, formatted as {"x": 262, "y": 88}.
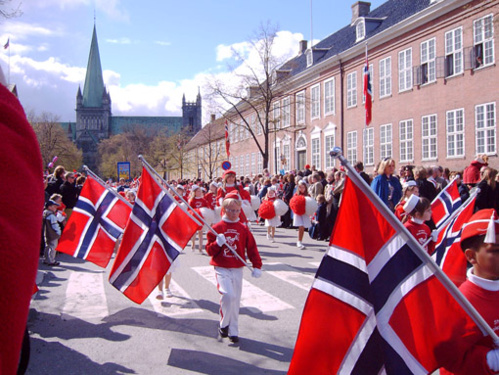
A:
{"x": 426, "y": 188}
{"x": 289, "y": 188}
{"x": 69, "y": 193}
{"x": 55, "y": 182}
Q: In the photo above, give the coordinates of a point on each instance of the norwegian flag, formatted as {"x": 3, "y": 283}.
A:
{"x": 157, "y": 231}
{"x": 376, "y": 306}
{"x": 98, "y": 219}
{"x": 367, "y": 92}
{"x": 445, "y": 204}
{"x": 448, "y": 254}
{"x": 227, "y": 140}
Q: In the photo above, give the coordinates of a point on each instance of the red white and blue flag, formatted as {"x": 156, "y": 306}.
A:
{"x": 448, "y": 254}
{"x": 227, "y": 139}
{"x": 6, "y": 45}
{"x": 445, "y": 204}
{"x": 157, "y": 231}
{"x": 98, "y": 219}
{"x": 376, "y": 306}
{"x": 367, "y": 92}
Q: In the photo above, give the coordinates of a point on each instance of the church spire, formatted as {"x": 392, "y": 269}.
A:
{"x": 94, "y": 83}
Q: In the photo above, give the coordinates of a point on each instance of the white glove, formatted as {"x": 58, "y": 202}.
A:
{"x": 493, "y": 359}
{"x": 221, "y": 240}
{"x": 434, "y": 235}
{"x": 256, "y": 273}
{"x": 60, "y": 217}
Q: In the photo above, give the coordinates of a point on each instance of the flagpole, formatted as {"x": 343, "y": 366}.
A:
{"x": 421, "y": 253}
{"x": 103, "y": 184}
{"x": 198, "y": 216}
{"x": 444, "y": 189}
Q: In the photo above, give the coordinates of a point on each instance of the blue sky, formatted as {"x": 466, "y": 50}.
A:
{"x": 151, "y": 51}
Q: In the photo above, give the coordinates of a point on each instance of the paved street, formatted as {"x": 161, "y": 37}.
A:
{"x": 80, "y": 324}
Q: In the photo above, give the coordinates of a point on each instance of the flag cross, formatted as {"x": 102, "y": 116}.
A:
{"x": 374, "y": 290}
{"x": 98, "y": 213}
{"x": 151, "y": 222}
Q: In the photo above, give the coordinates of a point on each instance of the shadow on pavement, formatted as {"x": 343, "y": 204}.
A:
{"x": 55, "y": 358}
{"x": 215, "y": 307}
{"x": 212, "y": 364}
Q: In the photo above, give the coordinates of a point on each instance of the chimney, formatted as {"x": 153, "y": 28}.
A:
{"x": 213, "y": 117}
{"x": 360, "y": 9}
{"x": 303, "y": 46}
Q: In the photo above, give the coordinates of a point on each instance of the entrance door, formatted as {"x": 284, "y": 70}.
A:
{"x": 301, "y": 160}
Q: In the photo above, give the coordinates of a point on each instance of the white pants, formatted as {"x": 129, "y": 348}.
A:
{"x": 230, "y": 286}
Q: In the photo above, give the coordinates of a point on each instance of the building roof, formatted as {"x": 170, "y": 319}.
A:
{"x": 212, "y": 132}
{"x": 119, "y": 123}
{"x": 383, "y": 17}
{"x": 94, "y": 82}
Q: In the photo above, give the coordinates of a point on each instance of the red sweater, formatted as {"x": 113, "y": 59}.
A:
{"x": 421, "y": 233}
{"x": 240, "y": 238}
{"x": 211, "y": 199}
{"x": 474, "y": 360}
{"x": 198, "y": 202}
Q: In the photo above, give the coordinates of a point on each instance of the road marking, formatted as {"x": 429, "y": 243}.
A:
{"x": 315, "y": 264}
{"x": 252, "y": 297}
{"x": 180, "y": 304}
{"x": 85, "y": 297}
{"x": 290, "y": 275}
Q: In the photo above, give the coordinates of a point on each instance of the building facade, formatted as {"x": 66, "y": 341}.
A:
{"x": 434, "y": 82}
{"x": 94, "y": 119}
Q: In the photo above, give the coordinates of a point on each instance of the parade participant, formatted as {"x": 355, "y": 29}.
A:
{"x": 409, "y": 188}
{"x": 479, "y": 241}
{"x": 229, "y": 185}
{"x": 130, "y": 196}
{"x": 386, "y": 185}
{"x": 181, "y": 191}
{"x": 419, "y": 210}
{"x": 197, "y": 201}
{"x": 211, "y": 195}
{"x": 228, "y": 268}
{"x": 274, "y": 222}
{"x": 300, "y": 218}
{"x": 51, "y": 232}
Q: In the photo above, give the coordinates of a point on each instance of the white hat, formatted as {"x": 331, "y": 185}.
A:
{"x": 409, "y": 183}
{"x": 194, "y": 187}
{"x": 180, "y": 187}
{"x": 411, "y": 203}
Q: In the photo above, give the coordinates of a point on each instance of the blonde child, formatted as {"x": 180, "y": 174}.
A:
{"x": 419, "y": 209}
{"x": 197, "y": 201}
{"x": 271, "y": 224}
{"x": 300, "y": 218}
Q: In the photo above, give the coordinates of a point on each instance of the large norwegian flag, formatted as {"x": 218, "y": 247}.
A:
{"x": 98, "y": 219}
{"x": 448, "y": 254}
{"x": 157, "y": 231}
{"x": 445, "y": 204}
{"x": 376, "y": 305}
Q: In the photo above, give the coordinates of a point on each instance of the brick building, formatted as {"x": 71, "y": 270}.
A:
{"x": 434, "y": 91}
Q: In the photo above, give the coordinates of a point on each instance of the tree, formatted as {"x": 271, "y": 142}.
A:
{"x": 54, "y": 141}
{"x": 177, "y": 157}
{"x": 258, "y": 86}
{"x": 11, "y": 12}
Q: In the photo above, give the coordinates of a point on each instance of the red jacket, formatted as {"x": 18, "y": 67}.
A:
{"x": 239, "y": 237}
{"x": 471, "y": 174}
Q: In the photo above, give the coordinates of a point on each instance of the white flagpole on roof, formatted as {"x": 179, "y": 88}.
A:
{"x": 198, "y": 216}
{"x": 421, "y": 253}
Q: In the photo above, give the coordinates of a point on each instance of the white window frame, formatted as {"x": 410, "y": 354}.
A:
{"x": 429, "y": 60}
{"x": 352, "y": 147}
{"x": 406, "y": 139}
{"x": 386, "y": 141}
{"x": 276, "y": 150}
{"x": 276, "y": 115}
{"x": 368, "y": 146}
{"x": 329, "y": 142}
{"x": 310, "y": 57}
{"x": 286, "y": 151}
{"x": 405, "y": 70}
{"x": 259, "y": 165}
{"x": 360, "y": 30}
{"x": 315, "y": 147}
{"x": 300, "y": 107}
{"x": 329, "y": 97}
{"x": 429, "y": 140}
{"x": 454, "y": 63}
{"x": 454, "y": 120}
{"x": 385, "y": 77}
{"x": 486, "y": 128}
{"x": 315, "y": 102}
{"x": 352, "y": 90}
{"x": 253, "y": 163}
{"x": 286, "y": 112}
{"x": 247, "y": 169}
{"x": 483, "y": 40}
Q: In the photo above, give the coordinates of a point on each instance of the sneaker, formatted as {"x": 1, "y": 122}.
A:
{"x": 53, "y": 264}
{"x": 299, "y": 245}
{"x": 168, "y": 293}
{"x": 268, "y": 236}
{"x": 272, "y": 239}
{"x": 234, "y": 339}
{"x": 224, "y": 332}
{"x": 161, "y": 295}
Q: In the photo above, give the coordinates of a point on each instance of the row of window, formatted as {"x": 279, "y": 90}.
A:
{"x": 249, "y": 164}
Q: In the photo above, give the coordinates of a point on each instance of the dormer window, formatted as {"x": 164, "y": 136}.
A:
{"x": 361, "y": 29}
{"x": 310, "y": 57}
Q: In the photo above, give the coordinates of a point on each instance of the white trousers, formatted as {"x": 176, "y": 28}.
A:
{"x": 230, "y": 286}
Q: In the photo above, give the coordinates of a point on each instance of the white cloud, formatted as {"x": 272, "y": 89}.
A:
{"x": 162, "y": 43}
{"x": 112, "y": 8}
{"x": 123, "y": 40}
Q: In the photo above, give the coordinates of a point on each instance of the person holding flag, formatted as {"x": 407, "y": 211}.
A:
{"x": 228, "y": 268}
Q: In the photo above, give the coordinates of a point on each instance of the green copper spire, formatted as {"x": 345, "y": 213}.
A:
{"x": 94, "y": 83}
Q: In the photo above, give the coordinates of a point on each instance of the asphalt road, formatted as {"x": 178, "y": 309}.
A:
{"x": 80, "y": 324}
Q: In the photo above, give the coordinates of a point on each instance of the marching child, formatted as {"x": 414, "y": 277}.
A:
{"x": 228, "y": 268}
{"x": 51, "y": 231}
{"x": 419, "y": 209}
{"x": 274, "y": 222}
{"x": 409, "y": 188}
{"x": 197, "y": 201}
{"x": 300, "y": 218}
